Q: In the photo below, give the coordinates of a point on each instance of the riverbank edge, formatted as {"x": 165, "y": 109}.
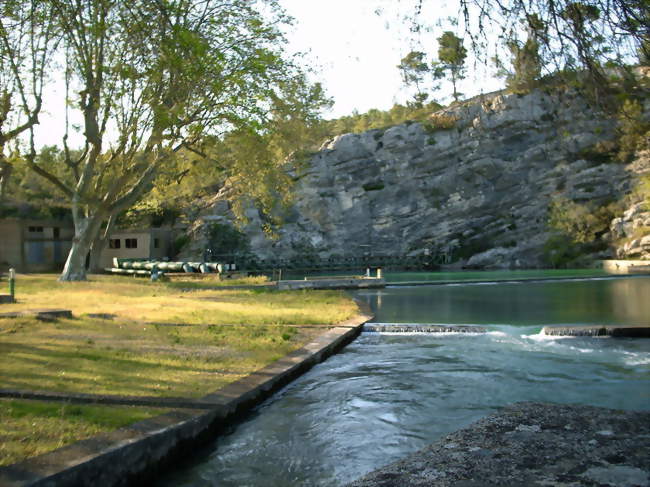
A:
{"x": 390, "y": 284}
{"x": 531, "y": 444}
{"x": 134, "y": 454}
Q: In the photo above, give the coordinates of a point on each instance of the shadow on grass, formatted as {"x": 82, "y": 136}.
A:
{"x": 67, "y": 370}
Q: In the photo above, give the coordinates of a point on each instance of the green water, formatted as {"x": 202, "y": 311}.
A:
{"x": 501, "y": 275}
{"x": 460, "y": 276}
{"x": 598, "y": 301}
{"x": 386, "y": 396}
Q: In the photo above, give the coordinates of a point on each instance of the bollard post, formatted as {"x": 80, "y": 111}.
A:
{"x": 379, "y": 274}
{"x": 12, "y": 283}
{"x": 367, "y": 271}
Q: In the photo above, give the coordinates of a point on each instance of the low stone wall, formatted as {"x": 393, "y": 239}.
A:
{"x": 532, "y": 444}
{"x": 368, "y": 282}
{"x": 134, "y": 454}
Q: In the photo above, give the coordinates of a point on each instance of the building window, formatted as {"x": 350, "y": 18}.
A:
{"x": 35, "y": 229}
{"x": 156, "y": 243}
{"x": 114, "y": 243}
{"x": 131, "y": 243}
{"x": 56, "y": 232}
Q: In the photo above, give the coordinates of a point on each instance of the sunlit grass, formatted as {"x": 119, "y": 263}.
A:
{"x": 138, "y": 299}
{"x": 106, "y": 357}
{"x": 120, "y": 342}
{"x": 231, "y": 334}
{"x": 29, "y": 428}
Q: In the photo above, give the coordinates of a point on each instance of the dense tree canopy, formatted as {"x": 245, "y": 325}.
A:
{"x": 152, "y": 79}
{"x": 28, "y": 38}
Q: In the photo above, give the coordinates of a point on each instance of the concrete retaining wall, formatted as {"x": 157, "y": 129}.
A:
{"x": 369, "y": 282}
{"x": 132, "y": 455}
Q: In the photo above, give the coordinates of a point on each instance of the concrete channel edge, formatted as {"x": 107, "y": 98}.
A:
{"x": 131, "y": 455}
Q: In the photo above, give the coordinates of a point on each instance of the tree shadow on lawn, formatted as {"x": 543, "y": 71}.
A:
{"x": 105, "y": 372}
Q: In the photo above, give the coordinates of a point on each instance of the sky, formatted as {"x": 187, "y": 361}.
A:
{"x": 359, "y": 43}
{"x": 354, "y": 46}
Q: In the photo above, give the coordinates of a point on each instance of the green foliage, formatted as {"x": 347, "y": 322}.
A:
{"x": 180, "y": 242}
{"x": 576, "y": 230}
{"x": 451, "y": 56}
{"x": 414, "y": 68}
{"x": 602, "y": 152}
{"x": 581, "y": 223}
{"x": 634, "y": 130}
{"x": 226, "y": 240}
{"x": 527, "y": 65}
{"x": 378, "y": 119}
{"x": 439, "y": 121}
{"x": 560, "y": 251}
{"x": 643, "y": 190}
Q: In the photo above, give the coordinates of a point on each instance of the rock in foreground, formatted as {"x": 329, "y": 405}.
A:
{"x": 532, "y": 444}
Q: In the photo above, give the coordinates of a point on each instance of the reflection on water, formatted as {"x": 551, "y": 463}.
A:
{"x": 605, "y": 301}
{"x": 384, "y": 397}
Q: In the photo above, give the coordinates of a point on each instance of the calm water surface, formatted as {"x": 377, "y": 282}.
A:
{"x": 385, "y": 396}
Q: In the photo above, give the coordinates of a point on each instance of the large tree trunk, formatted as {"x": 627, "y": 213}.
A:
{"x": 5, "y": 174}
{"x": 99, "y": 244}
{"x": 86, "y": 231}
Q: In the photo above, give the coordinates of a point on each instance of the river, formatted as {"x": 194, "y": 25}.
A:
{"x": 386, "y": 396}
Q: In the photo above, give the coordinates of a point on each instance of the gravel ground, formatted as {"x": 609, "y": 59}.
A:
{"x": 532, "y": 444}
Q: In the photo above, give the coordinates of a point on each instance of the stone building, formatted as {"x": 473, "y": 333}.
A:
{"x": 31, "y": 245}
{"x": 34, "y": 245}
{"x": 137, "y": 243}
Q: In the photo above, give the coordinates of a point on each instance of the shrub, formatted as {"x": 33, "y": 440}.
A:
{"x": 440, "y": 121}
{"x": 634, "y": 130}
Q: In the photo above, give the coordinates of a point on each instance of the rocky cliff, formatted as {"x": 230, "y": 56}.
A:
{"x": 473, "y": 185}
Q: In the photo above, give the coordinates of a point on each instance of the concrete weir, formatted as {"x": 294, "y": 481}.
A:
{"x": 333, "y": 283}
{"x": 133, "y": 455}
{"x": 420, "y": 328}
{"x": 598, "y": 330}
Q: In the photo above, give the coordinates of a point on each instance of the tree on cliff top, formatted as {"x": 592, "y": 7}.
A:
{"x": 152, "y": 78}
{"x": 590, "y": 36}
{"x": 451, "y": 59}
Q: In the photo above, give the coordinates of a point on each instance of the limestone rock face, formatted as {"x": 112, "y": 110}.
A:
{"x": 631, "y": 231}
{"x": 478, "y": 191}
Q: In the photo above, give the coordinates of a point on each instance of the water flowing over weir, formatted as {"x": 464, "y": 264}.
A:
{"x": 420, "y": 328}
{"x": 389, "y": 394}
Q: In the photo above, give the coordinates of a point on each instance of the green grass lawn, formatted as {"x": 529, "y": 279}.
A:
{"x": 29, "y": 428}
{"x": 138, "y": 348}
{"x": 116, "y": 357}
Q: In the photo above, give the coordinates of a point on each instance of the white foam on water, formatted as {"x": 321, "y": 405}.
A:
{"x": 635, "y": 358}
{"x": 543, "y": 337}
{"x": 496, "y": 333}
{"x": 422, "y": 332}
{"x": 432, "y": 333}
